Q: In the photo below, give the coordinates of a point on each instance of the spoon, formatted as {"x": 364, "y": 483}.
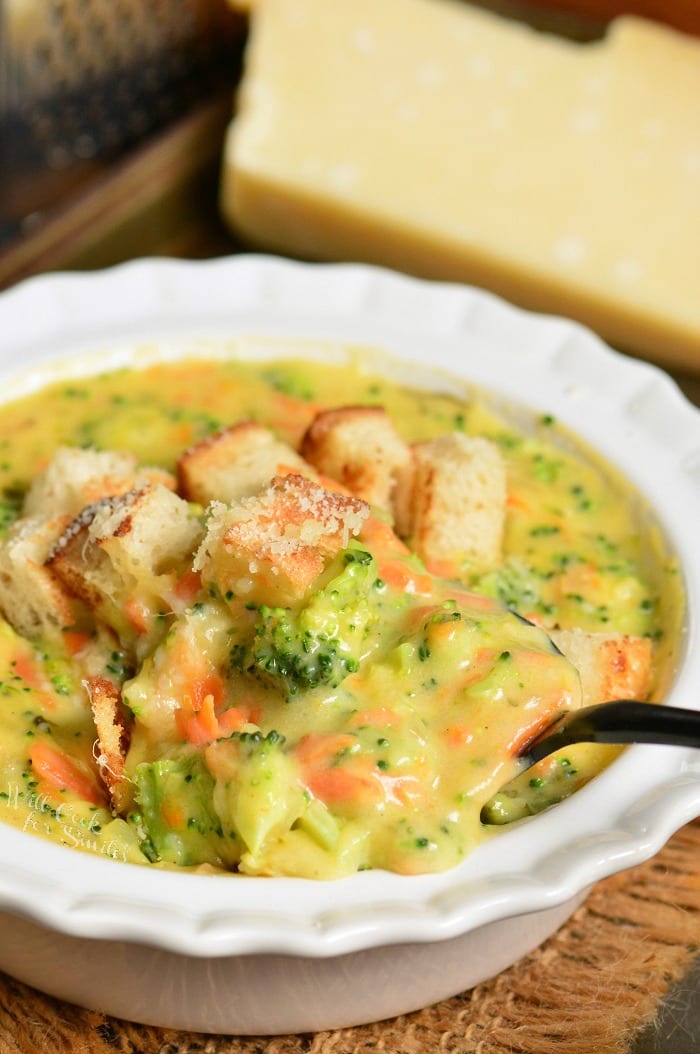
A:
{"x": 623, "y": 721}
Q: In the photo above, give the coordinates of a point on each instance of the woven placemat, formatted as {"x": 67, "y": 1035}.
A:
{"x": 589, "y": 989}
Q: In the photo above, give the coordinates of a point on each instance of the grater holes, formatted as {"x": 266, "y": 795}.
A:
{"x": 93, "y": 77}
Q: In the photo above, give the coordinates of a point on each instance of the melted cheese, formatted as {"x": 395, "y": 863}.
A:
{"x": 442, "y": 684}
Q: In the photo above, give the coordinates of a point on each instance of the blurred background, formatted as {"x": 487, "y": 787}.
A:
{"x": 112, "y": 116}
{"x": 86, "y": 87}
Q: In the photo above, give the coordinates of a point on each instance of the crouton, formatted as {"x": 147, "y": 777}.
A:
{"x": 235, "y": 463}
{"x": 122, "y": 548}
{"x": 271, "y": 548}
{"x": 32, "y": 598}
{"x": 359, "y": 447}
{"x": 611, "y": 665}
{"x": 112, "y": 739}
{"x": 75, "y": 478}
{"x": 456, "y": 508}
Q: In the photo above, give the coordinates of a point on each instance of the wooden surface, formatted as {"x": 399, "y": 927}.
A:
{"x": 589, "y": 989}
{"x": 683, "y": 14}
{"x": 159, "y": 200}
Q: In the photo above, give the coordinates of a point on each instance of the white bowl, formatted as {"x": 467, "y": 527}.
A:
{"x": 256, "y": 955}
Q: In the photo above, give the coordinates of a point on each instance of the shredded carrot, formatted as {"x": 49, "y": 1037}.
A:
{"x": 25, "y": 668}
{"x": 534, "y": 618}
{"x": 254, "y": 712}
{"x": 187, "y": 587}
{"x": 443, "y": 631}
{"x": 472, "y": 672}
{"x": 400, "y": 576}
{"x": 232, "y": 720}
{"x": 315, "y": 746}
{"x": 41, "y": 463}
{"x": 182, "y": 434}
{"x": 137, "y": 614}
{"x": 343, "y": 783}
{"x": 404, "y": 790}
{"x": 337, "y": 779}
{"x": 516, "y": 501}
{"x": 581, "y": 578}
{"x": 291, "y": 407}
{"x": 172, "y": 814}
{"x": 459, "y": 735}
{"x": 203, "y": 688}
{"x": 479, "y": 601}
{"x": 201, "y": 727}
{"x": 76, "y": 641}
{"x": 444, "y": 568}
{"x": 380, "y": 537}
{"x": 58, "y": 772}
{"x": 379, "y": 717}
{"x": 537, "y": 658}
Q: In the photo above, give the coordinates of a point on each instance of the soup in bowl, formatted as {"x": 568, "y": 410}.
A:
{"x": 281, "y": 610}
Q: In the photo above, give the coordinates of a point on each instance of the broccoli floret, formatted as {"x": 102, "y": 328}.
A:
{"x": 293, "y": 655}
{"x": 255, "y": 744}
{"x": 322, "y": 642}
{"x": 177, "y": 820}
{"x": 257, "y": 792}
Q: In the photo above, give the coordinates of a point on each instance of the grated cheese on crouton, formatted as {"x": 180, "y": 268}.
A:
{"x": 235, "y": 463}
{"x": 123, "y": 545}
{"x": 359, "y": 447}
{"x": 32, "y": 598}
{"x": 112, "y": 739}
{"x": 75, "y": 478}
{"x": 272, "y": 547}
{"x": 456, "y": 507}
{"x": 611, "y": 665}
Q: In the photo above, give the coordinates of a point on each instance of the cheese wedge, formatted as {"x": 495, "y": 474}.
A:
{"x": 452, "y": 143}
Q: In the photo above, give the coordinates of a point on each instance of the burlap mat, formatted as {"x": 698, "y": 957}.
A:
{"x": 588, "y": 990}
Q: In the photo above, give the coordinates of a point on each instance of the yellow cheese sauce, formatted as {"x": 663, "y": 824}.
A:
{"x": 255, "y": 748}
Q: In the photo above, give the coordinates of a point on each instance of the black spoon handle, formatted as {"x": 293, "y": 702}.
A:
{"x": 624, "y": 721}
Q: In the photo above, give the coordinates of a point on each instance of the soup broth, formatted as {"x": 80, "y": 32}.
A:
{"x": 261, "y": 737}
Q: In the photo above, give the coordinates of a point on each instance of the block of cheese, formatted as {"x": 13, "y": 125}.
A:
{"x": 450, "y": 142}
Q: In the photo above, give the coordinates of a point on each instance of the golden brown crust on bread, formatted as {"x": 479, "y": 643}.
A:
{"x": 112, "y": 738}
{"x": 611, "y": 665}
{"x": 32, "y": 597}
{"x": 456, "y": 507}
{"x": 75, "y": 478}
{"x": 272, "y": 547}
{"x": 235, "y": 463}
{"x": 123, "y": 545}
{"x": 360, "y": 448}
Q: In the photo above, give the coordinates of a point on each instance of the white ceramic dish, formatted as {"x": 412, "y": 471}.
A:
{"x": 250, "y": 955}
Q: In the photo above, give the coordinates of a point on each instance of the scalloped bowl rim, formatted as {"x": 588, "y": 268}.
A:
{"x": 651, "y": 433}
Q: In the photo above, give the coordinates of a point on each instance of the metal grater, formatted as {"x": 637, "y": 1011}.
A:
{"x": 82, "y": 80}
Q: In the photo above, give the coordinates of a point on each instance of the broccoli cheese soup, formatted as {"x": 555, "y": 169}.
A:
{"x": 286, "y": 618}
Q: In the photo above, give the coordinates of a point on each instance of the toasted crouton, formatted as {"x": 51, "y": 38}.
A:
{"x": 235, "y": 463}
{"x": 271, "y": 548}
{"x": 456, "y": 508}
{"x": 359, "y": 447}
{"x": 120, "y": 547}
{"x": 112, "y": 739}
{"x": 32, "y": 598}
{"x": 75, "y": 478}
{"x": 611, "y": 665}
